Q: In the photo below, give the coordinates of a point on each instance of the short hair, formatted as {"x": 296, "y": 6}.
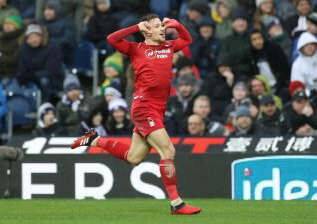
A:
{"x": 203, "y": 98}
{"x": 149, "y": 17}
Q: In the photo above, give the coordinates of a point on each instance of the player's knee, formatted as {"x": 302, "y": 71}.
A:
{"x": 134, "y": 160}
{"x": 168, "y": 152}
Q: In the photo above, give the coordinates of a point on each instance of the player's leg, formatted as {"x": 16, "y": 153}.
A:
{"x": 160, "y": 140}
{"x": 133, "y": 153}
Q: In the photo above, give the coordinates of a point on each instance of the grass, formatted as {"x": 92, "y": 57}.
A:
{"x": 143, "y": 211}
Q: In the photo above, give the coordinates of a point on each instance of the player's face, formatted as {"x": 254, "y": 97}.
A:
{"x": 257, "y": 41}
{"x": 157, "y": 30}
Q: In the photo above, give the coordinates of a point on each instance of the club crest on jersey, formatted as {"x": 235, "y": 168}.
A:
{"x": 150, "y": 53}
{"x": 151, "y": 122}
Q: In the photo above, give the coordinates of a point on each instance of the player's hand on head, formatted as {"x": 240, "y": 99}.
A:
{"x": 170, "y": 23}
{"x": 144, "y": 26}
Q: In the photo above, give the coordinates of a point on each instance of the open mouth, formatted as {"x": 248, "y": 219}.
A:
{"x": 162, "y": 35}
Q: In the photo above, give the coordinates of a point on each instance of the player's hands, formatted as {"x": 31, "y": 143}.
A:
{"x": 170, "y": 23}
{"x": 144, "y": 27}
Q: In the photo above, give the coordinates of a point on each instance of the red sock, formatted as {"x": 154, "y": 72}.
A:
{"x": 115, "y": 148}
{"x": 168, "y": 176}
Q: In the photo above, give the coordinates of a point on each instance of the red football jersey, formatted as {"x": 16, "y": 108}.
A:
{"x": 152, "y": 64}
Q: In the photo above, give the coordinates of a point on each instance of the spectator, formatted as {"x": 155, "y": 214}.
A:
{"x": 72, "y": 109}
{"x": 240, "y": 97}
{"x": 296, "y": 24}
{"x": 96, "y": 120}
{"x": 300, "y": 115}
{"x": 206, "y": 49}
{"x": 111, "y": 94}
{"x": 101, "y": 24}
{"x": 40, "y": 62}
{"x": 260, "y": 87}
{"x": 278, "y": 35}
{"x": 180, "y": 105}
{"x": 235, "y": 49}
{"x": 10, "y": 42}
{"x": 265, "y": 12}
{"x": 311, "y": 28}
{"x": 218, "y": 87}
{"x": 243, "y": 123}
{"x": 305, "y": 66}
{"x": 203, "y": 108}
{"x": 5, "y": 11}
{"x": 196, "y": 11}
{"x": 221, "y": 13}
{"x": 196, "y": 126}
{"x": 185, "y": 66}
{"x": 270, "y": 61}
{"x": 271, "y": 121}
{"x": 112, "y": 70}
{"x": 60, "y": 31}
{"x": 285, "y": 9}
{"x": 48, "y": 126}
{"x": 118, "y": 122}
{"x": 3, "y": 110}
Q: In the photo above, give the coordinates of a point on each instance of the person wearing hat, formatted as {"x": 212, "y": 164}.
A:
{"x": 179, "y": 106}
{"x": 221, "y": 15}
{"x": 305, "y": 66}
{"x": 300, "y": 115}
{"x": 243, "y": 122}
{"x": 10, "y": 42}
{"x": 5, "y": 11}
{"x": 48, "y": 125}
{"x": 235, "y": 49}
{"x": 59, "y": 29}
{"x": 271, "y": 121}
{"x": 40, "y": 62}
{"x": 73, "y": 107}
{"x": 101, "y": 24}
{"x": 196, "y": 11}
{"x": 118, "y": 123}
{"x": 113, "y": 70}
{"x": 206, "y": 49}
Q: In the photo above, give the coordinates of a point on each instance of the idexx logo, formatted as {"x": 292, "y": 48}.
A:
{"x": 274, "y": 178}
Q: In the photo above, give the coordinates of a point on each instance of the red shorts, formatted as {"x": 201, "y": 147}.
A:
{"x": 146, "y": 118}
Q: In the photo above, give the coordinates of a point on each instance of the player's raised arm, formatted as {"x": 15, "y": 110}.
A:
{"x": 184, "y": 38}
{"x": 117, "y": 39}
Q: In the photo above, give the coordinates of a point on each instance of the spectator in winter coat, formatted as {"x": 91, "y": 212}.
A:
{"x": 305, "y": 66}
{"x": 259, "y": 87}
{"x": 5, "y": 11}
{"x": 72, "y": 109}
{"x": 300, "y": 115}
{"x": 118, "y": 122}
{"x": 235, "y": 49}
{"x": 213, "y": 123}
{"x": 206, "y": 49}
{"x": 101, "y": 24}
{"x": 270, "y": 61}
{"x": 221, "y": 13}
{"x": 60, "y": 30}
{"x": 271, "y": 121}
{"x": 243, "y": 123}
{"x": 48, "y": 125}
{"x": 296, "y": 24}
{"x": 311, "y": 28}
{"x": 277, "y": 34}
{"x": 196, "y": 126}
{"x": 180, "y": 105}
{"x": 112, "y": 70}
{"x": 10, "y": 42}
{"x": 40, "y": 62}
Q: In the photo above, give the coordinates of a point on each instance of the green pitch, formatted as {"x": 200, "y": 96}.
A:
{"x": 148, "y": 211}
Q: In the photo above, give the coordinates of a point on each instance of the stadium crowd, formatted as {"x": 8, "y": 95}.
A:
{"x": 251, "y": 69}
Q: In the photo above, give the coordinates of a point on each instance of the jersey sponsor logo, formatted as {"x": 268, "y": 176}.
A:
{"x": 164, "y": 53}
{"x": 151, "y": 122}
{"x": 274, "y": 178}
